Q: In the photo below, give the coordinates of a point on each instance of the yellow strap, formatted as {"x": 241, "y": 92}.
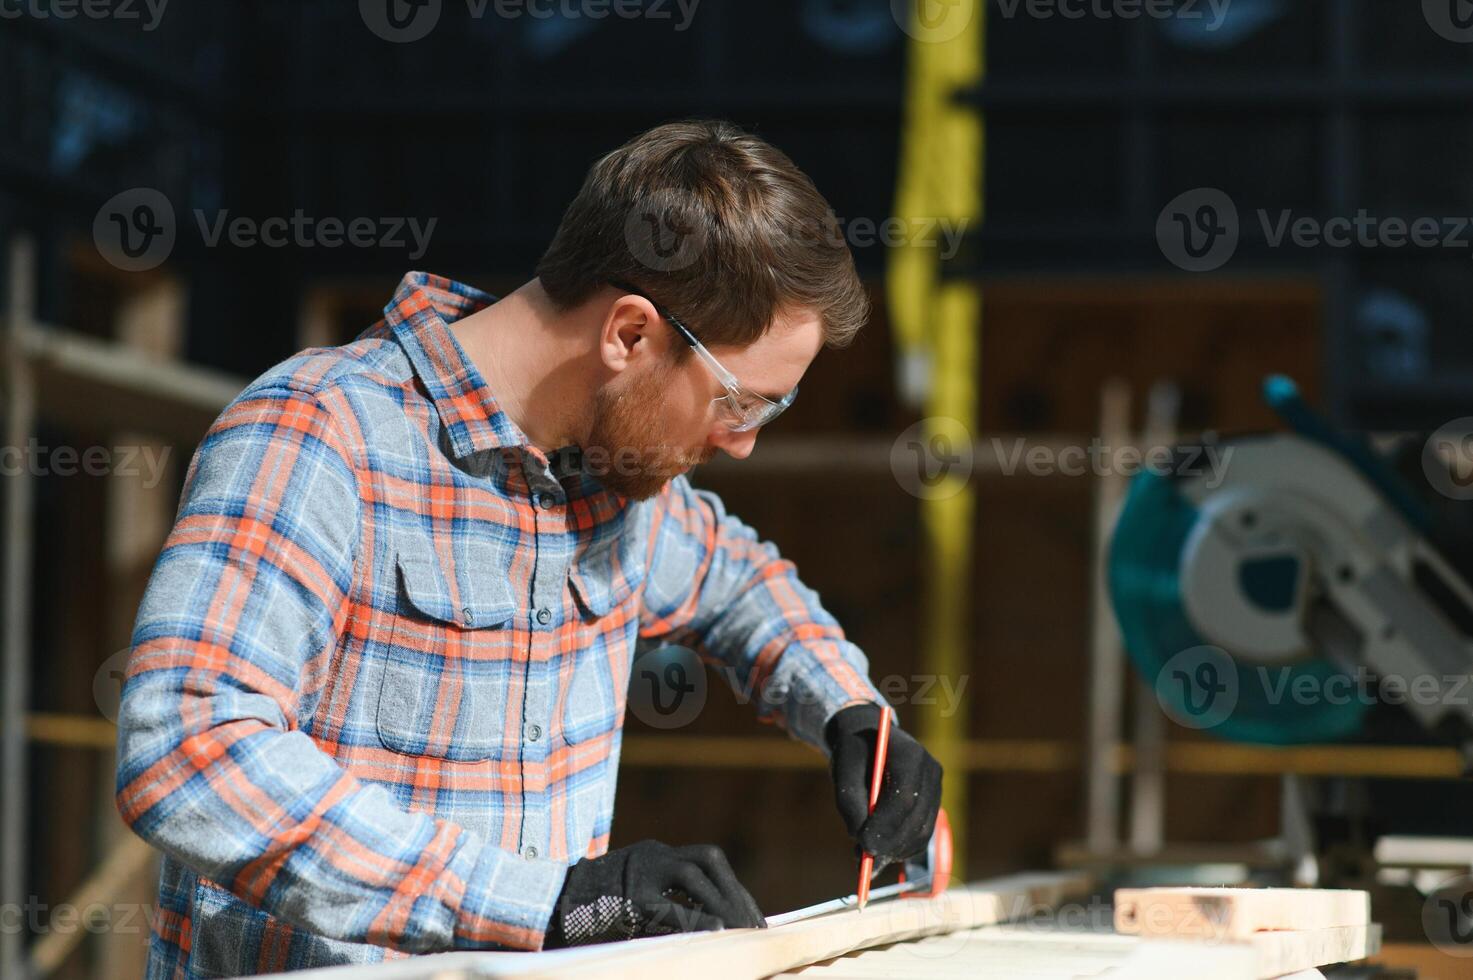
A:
{"x": 937, "y": 328}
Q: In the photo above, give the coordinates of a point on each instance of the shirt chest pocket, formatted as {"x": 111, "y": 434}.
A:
{"x": 449, "y": 660}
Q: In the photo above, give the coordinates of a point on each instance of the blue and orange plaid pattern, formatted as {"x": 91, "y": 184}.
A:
{"x": 378, "y": 677}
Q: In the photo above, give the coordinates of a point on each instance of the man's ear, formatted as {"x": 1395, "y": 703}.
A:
{"x": 626, "y": 333}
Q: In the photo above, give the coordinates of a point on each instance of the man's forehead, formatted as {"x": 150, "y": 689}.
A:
{"x": 772, "y": 364}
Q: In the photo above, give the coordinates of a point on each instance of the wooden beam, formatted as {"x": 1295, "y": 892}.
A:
{"x": 94, "y": 384}
{"x": 1107, "y": 672}
{"x": 1278, "y": 953}
{"x": 1216, "y": 913}
{"x": 750, "y": 954}
{"x": 18, "y": 532}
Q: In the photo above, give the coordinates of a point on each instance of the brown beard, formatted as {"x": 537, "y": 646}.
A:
{"x": 628, "y": 448}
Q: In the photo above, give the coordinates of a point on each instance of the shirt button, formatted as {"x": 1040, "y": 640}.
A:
{"x": 530, "y": 851}
{"x": 546, "y": 501}
{"x": 470, "y": 619}
{"x": 534, "y": 732}
{"x": 544, "y": 615}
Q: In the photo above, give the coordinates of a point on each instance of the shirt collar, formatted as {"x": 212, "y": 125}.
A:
{"x": 420, "y": 315}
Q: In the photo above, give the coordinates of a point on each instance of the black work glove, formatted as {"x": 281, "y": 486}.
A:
{"x": 910, "y": 793}
{"x": 650, "y": 889}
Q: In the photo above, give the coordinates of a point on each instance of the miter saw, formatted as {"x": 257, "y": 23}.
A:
{"x": 1305, "y": 566}
{"x": 1303, "y": 577}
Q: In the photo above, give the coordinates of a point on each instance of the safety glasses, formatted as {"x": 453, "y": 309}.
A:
{"x": 740, "y": 409}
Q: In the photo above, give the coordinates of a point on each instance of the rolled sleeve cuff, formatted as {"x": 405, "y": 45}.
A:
{"x": 508, "y": 901}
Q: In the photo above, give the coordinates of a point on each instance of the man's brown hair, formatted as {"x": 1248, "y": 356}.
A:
{"x": 717, "y": 226}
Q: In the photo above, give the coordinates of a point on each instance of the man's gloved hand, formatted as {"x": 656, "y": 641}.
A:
{"x": 650, "y": 889}
{"x": 910, "y": 793}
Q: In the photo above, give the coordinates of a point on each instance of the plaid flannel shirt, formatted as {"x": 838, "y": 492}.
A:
{"x": 378, "y": 677}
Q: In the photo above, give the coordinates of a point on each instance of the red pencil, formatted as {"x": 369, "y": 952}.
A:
{"x": 882, "y": 748}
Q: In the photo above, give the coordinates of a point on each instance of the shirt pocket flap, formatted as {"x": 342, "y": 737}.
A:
{"x": 475, "y": 598}
{"x": 609, "y": 568}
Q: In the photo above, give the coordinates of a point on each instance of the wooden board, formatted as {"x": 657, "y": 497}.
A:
{"x": 992, "y": 929}
{"x": 749, "y": 954}
{"x": 1215, "y": 913}
{"x": 1278, "y": 953}
{"x": 1035, "y": 952}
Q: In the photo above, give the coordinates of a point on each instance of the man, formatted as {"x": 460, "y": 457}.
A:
{"x": 378, "y": 679}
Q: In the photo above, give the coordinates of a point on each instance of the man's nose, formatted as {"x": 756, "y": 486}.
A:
{"x": 737, "y": 445}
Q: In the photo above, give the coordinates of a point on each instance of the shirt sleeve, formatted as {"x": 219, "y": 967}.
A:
{"x": 713, "y": 585}
{"x": 234, "y": 637}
